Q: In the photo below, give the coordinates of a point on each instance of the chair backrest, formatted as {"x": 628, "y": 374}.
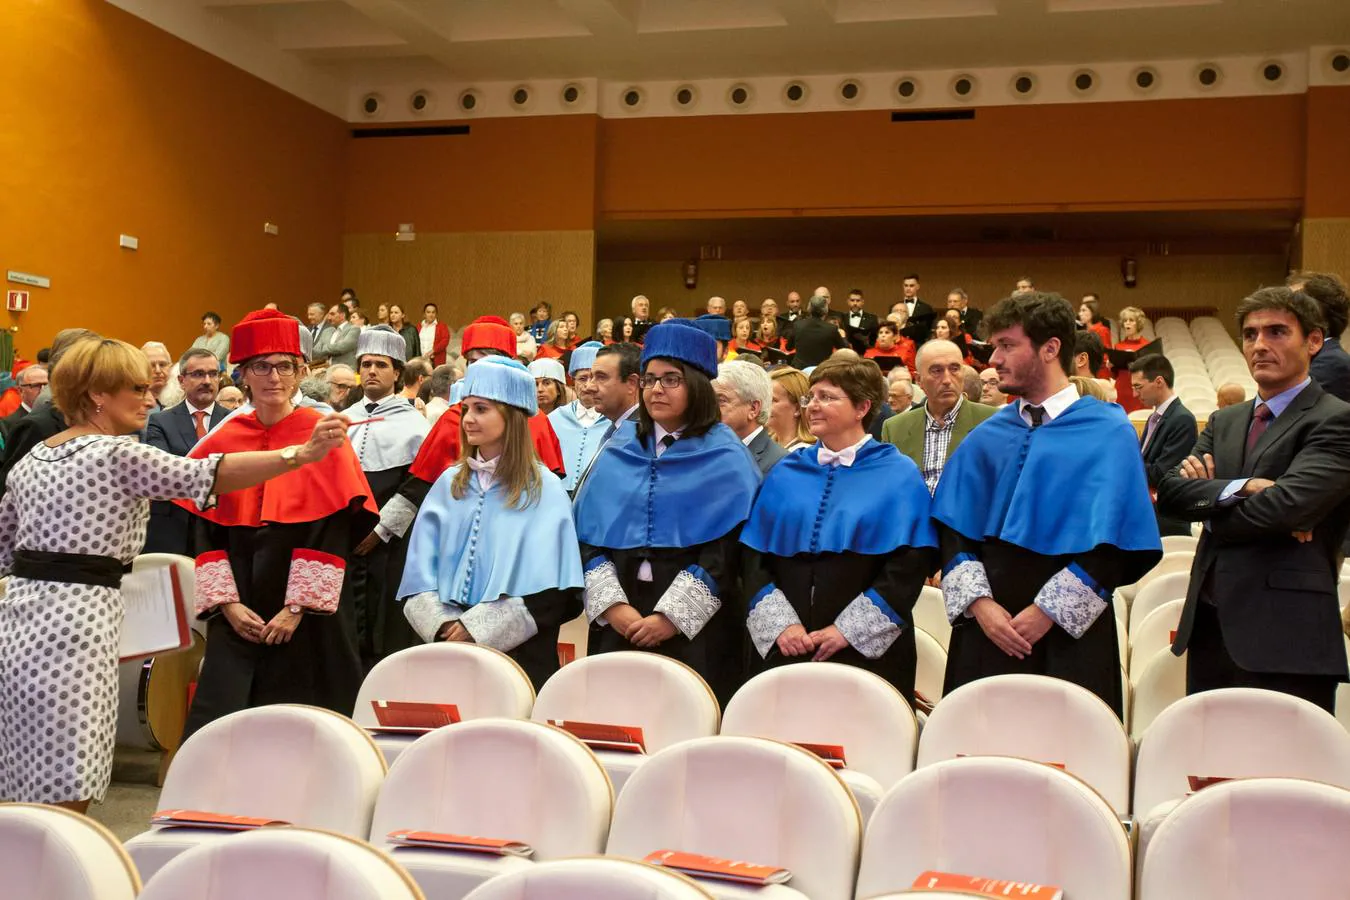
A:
{"x": 1034, "y": 717}
{"x": 1249, "y": 840}
{"x": 500, "y": 778}
{"x": 930, "y": 614}
{"x": 1161, "y": 683}
{"x": 669, "y": 701}
{"x": 590, "y": 879}
{"x": 54, "y": 854}
{"x": 1179, "y": 543}
{"x": 747, "y": 799}
{"x": 1238, "y": 733}
{"x": 1152, "y": 634}
{"x": 295, "y": 863}
{"x": 931, "y": 670}
{"x": 187, "y": 581}
{"x": 996, "y": 817}
{"x": 480, "y": 681}
{"x": 1162, "y": 588}
{"x": 830, "y": 703}
{"x": 300, "y": 764}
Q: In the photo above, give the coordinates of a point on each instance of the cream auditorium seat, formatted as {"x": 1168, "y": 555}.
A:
{"x": 186, "y": 568}
{"x": 1179, "y": 543}
{"x": 931, "y": 671}
{"x": 298, "y": 764}
{"x": 835, "y": 704}
{"x": 1046, "y": 720}
{"x": 1140, "y": 415}
{"x": 1251, "y": 840}
{"x": 1161, "y": 590}
{"x": 1343, "y": 591}
{"x": 669, "y": 701}
{"x": 1161, "y": 682}
{"x": 478, "y": 680}
{"x": 1153, "y": 634}
{"x": 283, "y": 864}
{"x": 492, "y": 778}
{"x": 930, "y": 614}
{"x": 576, "y": 634}
{"x": 1170, "y": 563}
{"x": 746, "y": 799}
{"x": 49, "y": 853}
{"x": 590, "y": 879}
{"x": 996, "y": 817}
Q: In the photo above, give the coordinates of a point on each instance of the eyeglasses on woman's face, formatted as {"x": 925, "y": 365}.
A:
{"x": 669, "y": 381}
{"x": 262, "y": 368}
{"x": 824, "y": 398}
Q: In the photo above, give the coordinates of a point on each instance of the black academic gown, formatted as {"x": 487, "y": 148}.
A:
{"x": 381, "y": 627}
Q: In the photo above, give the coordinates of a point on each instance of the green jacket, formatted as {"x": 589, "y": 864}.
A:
{"x": 905, "y": 430}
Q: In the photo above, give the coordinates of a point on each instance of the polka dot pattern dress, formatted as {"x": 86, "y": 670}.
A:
{"x": 59, "y": 641}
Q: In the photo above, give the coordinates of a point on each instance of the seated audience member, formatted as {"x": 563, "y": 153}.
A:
{"x": 416, "y": 371}
{"x": 1030, "y": 552}
{"x": 343, "y": 386}
{"x": 1089, "y": 361}
{"x": 900, "y": 394}
{"x": 550, "y": 383}
{"x": 813, "y": 338}
{"x": 787, "y": 421}
{"x": 526, "y": 347}
{"x": 1331, "y": 366}
{"x": 744, "y": 397}
{"x": 441, "y": 379}
{"x": 836, "y": 564}
{"x": 1024, "y": 285}
{"x": 891, "y": 348}
{"x": 543, "y": 318}
{"x": 930, "y": 435}
{"x": 665, "y": 314}
{"x": 970, "y": 384}
{"x": 511, "y": 583}
{"x": 1230, "y": 394}
{"x": 1088, "y": 387}
{"x": 1170, "y": 432}
{"x": 213, "y": 339}
{"x": 663, "y": 583}
{"x": 990, "y": 395}
{"x": 315, "y": 391}
{"x": 230, "y": 397}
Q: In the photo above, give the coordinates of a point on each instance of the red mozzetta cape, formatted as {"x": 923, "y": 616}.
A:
{"x": 307, "y": 494}
{"x": 440, "y": 450}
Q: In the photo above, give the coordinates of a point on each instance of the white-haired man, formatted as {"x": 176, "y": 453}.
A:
{"x": 160, "y": 364}
{"x": 745, "y": 395}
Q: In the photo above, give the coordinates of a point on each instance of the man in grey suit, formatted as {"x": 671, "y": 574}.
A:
{"x": 176, "y": 430}
{"x": 336, "y": 342}
{"x": 744, "y": 395}
{"x": 1270, "y": 478}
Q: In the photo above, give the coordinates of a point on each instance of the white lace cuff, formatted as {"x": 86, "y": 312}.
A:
{"x": 315, "y": 580}
{"x": 689, "y": 602}
{"x": 426, "y": 614}
{"x": 963, "y": 582}
{"x": 602, "y": 590}
{"x": 869, "y": 624}
{"x": 214, "y": 583}
{"x": 770, "y": 615}
{"x": 502, "y": 624}
{"x": 398, "y": 513}
{"x": 1072, "y": 599}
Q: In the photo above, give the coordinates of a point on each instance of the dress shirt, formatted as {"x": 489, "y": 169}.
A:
{"x": 1277, "y": 404}
{"x": 827, "y": 457}
{"x": 751, "y": 436}
{"x": 645, "y": 570}
{"x": 1054, "y": 405}
{"x": 426, "y": 338}
{"x": 1158, "y": 412}
{"x": 937, "y": 441}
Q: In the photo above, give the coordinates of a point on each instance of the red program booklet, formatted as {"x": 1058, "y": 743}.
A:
{"x": 495, "y": 846}
{"x": 831, "y": 753}
{"x": 720, "y": 869}
{"x": 197, "y": 818}
{"x": 988, "y": 887}
{"x": 408, "y": 717}
{"x": 621, "y": 738}
{"x": 566, "y": 653}
{"x": 1203, "y": 781}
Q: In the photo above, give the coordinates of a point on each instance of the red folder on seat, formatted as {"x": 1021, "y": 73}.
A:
{"x": 470, "y": 843}
{"x": 718, "y": 869}
{"x": 408, "y": 717}
{"x": 196, "y": 818}
{"x": 988, "y": 887}
{"x": 621, "y": 738}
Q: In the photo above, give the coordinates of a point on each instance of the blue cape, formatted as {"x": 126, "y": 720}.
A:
{"x": 467, "y": 556}
{"x": 874, "y": 507}
{"x": 699, "y": 490}
{"x": 579, "y": 443}
{"x": 1073, "y": 484}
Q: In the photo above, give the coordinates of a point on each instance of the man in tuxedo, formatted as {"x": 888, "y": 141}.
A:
{"x": 1271, "y": 480}
{"x": 794, "y": 307}
{"x": 860, "y": 327}
{"x": 919, "y": 328}
{"x": 958, "y": 300}
{"x": 1170, "y": 432}
{"x": 176, "y": 430}
{"x": 30, "y": 381}
{"x": 642, "y": 323}
{"x": 744, "y": 396}
{"x": 1330, "y": 368}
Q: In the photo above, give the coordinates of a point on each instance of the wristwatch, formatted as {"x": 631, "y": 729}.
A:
{"x": 295, "y": 609}
{"x": 291, "y": 456}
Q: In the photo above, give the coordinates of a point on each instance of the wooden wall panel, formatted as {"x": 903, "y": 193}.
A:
{"x": 1326, "y": 246}
{"x": 1328, "y": 177}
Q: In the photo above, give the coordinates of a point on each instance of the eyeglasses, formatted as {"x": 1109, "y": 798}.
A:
{"x": 263, "y": 368}
{"x": 822, "y": 399}
{"x": 669, "y": 381}
{"x": 203, "y": 375}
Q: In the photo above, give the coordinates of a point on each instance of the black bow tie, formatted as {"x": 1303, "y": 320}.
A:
{"x": 372, "y": 406}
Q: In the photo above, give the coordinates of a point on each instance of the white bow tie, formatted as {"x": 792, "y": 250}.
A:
{"x": 827, "y": 457}
{"x": 486, "y": 470}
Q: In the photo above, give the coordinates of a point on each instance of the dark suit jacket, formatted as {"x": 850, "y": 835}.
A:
{"x": 43, "y": 422}
{"x": 173, "y": 431}
{"x": 865, "y": 335}
{"x": 1276, "y": 597}
{"x": 1171, "y": 443}
{"x": 813, "y": 340}
{"x": 765, "y": 450}
{"x": 919, "y": 328}
{"x": 970, "y": 320}
{"x": 8, "y": 422}
{"x": 1331, "y": 369}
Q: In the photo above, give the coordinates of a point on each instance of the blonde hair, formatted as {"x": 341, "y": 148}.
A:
{"x": 95, "y": 365}
{"x": 517, "y": 468}
{"x": 1134, "y": 312}
{"x": 796, "y": 386}
{"x": 1088, "y": 387}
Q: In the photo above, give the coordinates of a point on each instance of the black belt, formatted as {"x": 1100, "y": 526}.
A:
{"x": 71, "y": 568}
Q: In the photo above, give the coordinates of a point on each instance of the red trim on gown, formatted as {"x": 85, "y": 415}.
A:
{"x": 440, "y": 450}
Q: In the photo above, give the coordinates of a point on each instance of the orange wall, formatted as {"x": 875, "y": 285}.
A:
{"x": 1328, "y": 184}
{"x": 526, "y": 174}
{"x": 1101, "y": 156}
{"x": 113, "y": 126}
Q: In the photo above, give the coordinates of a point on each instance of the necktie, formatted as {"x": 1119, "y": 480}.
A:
{"x": 1037, "y": 414}
{"x": 1261, "y": 419}
{"x": 1152, "y": 425}
{"x": 665, "y": 444}
{"x": 371, "y": 407}
{"x": 199, "y": 419}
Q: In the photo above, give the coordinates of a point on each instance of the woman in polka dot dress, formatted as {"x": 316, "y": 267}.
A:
{"x": 72, "y": 519}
